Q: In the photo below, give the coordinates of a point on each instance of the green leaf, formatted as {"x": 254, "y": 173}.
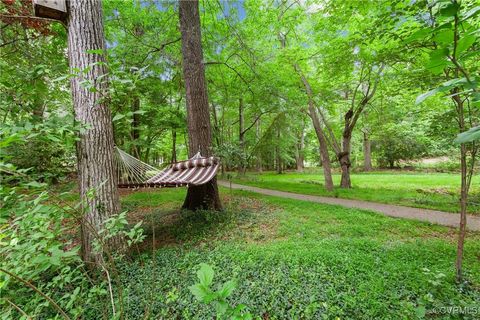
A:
{"x": 118, "y": 117}
{"x": 221, "y": 307}
{"x": 96, "y": 51}
{"x": 471, "y": 13}
{"x": 438, "y": 60}
{"x": 450, "y": 10}
{"x": 420, "y": 311}
{"x": 427, "y": 94}
{"x": 437, "y": 66}
{"x": 227, "y": 289}
{"x": 465, "y": 43}
{"x": 476, "y": 97}
{"x": 418, "y": 35}
{"x": 200, "y": 292}
{"x": 444, "y": 36}
{"x": 35, "y": 184}
{"x": 468, "y": 136}
{"x": 205, "y": 274}
{"x": 438, "y": 54}
{"x": 444, "y": 87}
{"x": 61, "y": 78}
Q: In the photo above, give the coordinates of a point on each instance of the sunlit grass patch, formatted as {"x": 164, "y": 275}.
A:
{"x": 423, "y": 190}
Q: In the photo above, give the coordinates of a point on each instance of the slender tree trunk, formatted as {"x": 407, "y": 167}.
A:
{"x": 300, "y": 154}
{"x": 463, "y": 189}
{"x": 174, "y": 145}
{"x": 327, "y": 171}
{"x": 198, "y": 116}
{"x": 278, "y": 156}
{"x": 463, "y": 211}
{"x": 241, "y": 138}
{"x": 95, "y": 148}
{"x": 135, "y": 126}
{"x": 367, "y": 152}
{"x": 322, "y": 141}
{"x": 259, "y": 154}
{"x": 216, "y": 127}
{"x": 217, "y": 133}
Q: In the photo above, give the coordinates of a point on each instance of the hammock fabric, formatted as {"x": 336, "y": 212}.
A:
{"x": 133, "y": 173}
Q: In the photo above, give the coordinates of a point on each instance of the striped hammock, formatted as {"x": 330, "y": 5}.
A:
{"x": 133, "y": 173}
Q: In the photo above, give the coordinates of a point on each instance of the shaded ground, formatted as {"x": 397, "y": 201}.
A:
{"x": 295, "y": 259}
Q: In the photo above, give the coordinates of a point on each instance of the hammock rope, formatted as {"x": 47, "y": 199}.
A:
{"x": 130, "y": 170}
{"x": 134, "y": 173}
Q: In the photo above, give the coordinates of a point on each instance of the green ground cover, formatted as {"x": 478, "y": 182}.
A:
{"x": 293, "y": 260}
{"x": 422, "y": 190}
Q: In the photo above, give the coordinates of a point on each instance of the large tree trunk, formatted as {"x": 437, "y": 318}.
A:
{"x": 351, "y": 118}
{"x": 343, "y": 155}
{"x": 95, "y": 148}
{"x": 344, "y": 159}
{"x": 198, "y": 117}
{"x": 367, "y": 152}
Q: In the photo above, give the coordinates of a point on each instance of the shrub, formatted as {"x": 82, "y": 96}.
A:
{"x": 38, "y": 259}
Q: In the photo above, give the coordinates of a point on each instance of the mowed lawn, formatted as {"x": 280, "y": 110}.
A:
{"x": 438, "y": 191}
{"x": 294, "y": 260}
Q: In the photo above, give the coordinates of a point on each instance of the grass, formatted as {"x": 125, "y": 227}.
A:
{"x": 437, "y": 191}
{"x": 294, "y": 260}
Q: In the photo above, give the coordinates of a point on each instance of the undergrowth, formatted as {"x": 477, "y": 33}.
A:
{"x": 308, "y": 261}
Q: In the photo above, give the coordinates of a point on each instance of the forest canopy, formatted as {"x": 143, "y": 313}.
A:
{"x": 373, "y": 101}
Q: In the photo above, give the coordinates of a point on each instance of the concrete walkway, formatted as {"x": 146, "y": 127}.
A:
{"x": 432, "y": 216}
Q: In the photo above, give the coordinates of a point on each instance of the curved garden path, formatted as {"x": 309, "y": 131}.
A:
{"x": 432, "y": 216}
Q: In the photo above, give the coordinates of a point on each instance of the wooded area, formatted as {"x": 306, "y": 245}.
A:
{"x": 126, "y": 123}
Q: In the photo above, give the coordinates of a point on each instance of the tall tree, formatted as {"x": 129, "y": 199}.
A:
{"x": 451, "y": 38}
{"x": 367, "y": 151}
{"x": 363, "y": 93}
{"x": 198, "y": 116}
{"x": 319, "y": 131}
{"x": 95, "y": 148}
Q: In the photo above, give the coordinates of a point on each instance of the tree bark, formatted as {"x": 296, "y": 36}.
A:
{"x": 174, "y": 145}
{"x": 300, "y": 153}
{"x": 367, "y": 152}
{"x": 322, "y": 141}
{"x": 278, "y": 156}
{"x": 259, "y": 154}
{"x": 345, "y": 164}
{"x": 241, "y": 138}
{"x": 344, "y": 155}
{"x": 463, "y": 188}
{"x": 95, "y": 148}
{"x": 351, "y": 117}
{"x": 135, "y": 126}
{"x": 198, "y": 117}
